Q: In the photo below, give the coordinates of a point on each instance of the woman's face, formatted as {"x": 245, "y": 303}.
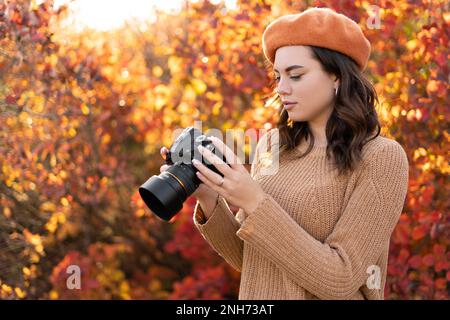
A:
{"x": 300, "y": 79}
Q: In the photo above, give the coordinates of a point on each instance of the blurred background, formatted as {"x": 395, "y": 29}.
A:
{"x": 91, "y": 90}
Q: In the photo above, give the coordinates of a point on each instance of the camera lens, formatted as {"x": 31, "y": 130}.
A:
{"x": 165, "y": 194}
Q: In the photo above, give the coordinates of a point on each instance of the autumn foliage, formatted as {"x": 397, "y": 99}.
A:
{"x": 83, "y": 116}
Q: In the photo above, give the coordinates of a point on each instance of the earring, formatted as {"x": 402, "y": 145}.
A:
{"x": 335, "y": 91}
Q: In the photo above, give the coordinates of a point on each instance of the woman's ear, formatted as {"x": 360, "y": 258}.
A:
{"x": 337, "y": 82}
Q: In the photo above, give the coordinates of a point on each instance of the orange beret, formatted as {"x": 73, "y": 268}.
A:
{"x": 320, "y": 27}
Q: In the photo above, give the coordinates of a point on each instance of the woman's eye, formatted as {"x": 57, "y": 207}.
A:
{"x": 292, "y": 77}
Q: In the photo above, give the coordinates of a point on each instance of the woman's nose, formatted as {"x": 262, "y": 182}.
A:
{"x": 283, "y": 88}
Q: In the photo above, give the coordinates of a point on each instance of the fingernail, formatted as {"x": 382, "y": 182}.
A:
{"x": 195, "y": 162}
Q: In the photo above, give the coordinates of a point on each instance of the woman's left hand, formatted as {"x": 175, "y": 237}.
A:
{"x": 238, "y": 187}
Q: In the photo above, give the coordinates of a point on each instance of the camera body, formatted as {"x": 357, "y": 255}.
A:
{"x": 185, "y": 149}
{"x": 164, "y": 194}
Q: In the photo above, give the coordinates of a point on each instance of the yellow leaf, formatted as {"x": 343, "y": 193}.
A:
{"x": 183, "y": 108}
{"x": 39, "y": 104}
{"x": 160, "y": 102}
{"x": 214, "y": 96}
{"x": 197, "y": 72}
{"x": 51, "y": 225}
{"x": 411, "y": 44}
{"x": 199, "y": 86}
{"x": 189, "y": 93}
{"x": 6, "y": 289}
{"x": 106, "y": 138}
{"x": 64, "y": 202}
{"x": 53, "y": 295}
{"x": 26, "y": 271}
{"x": 35, "y": 240}
{"x": 7, "y": 212}
{"x": 216, "y": 108}
{"x": 161, "y": 89}
{"x": 63, "y": 174}
{"x": 432, "y": 86}
{"x": 72, "y": 132}
{"x": 53, "y": 60}
{"x": 53, "y": 160}
{"x": 157, "y": 71}
{"x": 20, "y": 293}
{"x": 61, "y": 217}
{"x": 85, "y": 109}
{"x": 48, "y": 206}
{"x": 175, "y": 64}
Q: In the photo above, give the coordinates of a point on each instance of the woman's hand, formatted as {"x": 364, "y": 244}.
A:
{"x": 203, "y": 192}
{"x": 238, "y": 187}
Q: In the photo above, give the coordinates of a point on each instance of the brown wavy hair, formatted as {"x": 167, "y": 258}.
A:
{"x": 353, "y": 122}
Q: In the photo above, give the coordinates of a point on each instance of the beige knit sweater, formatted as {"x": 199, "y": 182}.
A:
{"x": 315, "y": 235}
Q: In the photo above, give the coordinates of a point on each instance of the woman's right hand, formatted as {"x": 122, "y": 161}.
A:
{"x": 202, "y": 192}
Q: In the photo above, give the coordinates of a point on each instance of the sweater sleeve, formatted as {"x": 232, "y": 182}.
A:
{"x": 221, "y": 227}
{"x": 336, "y": 268}
{"x": 220, "y": 232}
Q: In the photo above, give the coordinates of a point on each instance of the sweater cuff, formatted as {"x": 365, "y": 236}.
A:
{"x": 259, "y": 224}
{"x": 220, "y": 215}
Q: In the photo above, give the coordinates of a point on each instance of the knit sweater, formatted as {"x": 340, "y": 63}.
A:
{"x": 315, "y": 235}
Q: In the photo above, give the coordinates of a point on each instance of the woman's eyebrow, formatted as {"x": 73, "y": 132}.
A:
{"x": 290, "y": 68}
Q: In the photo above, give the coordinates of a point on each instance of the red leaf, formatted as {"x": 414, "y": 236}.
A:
{"x": 428, "y": 260}
{"x": 415, "y": 261}
{"x": 418, "y": 232}
{"x": 438, "y": 249}
{"x": 440, "y": 283}
{"x": 441, "y": 265}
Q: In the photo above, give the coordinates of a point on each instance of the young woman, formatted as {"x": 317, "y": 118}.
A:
{"x": 319, "y": 228}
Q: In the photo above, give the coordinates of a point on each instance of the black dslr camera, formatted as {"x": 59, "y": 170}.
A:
{"x": 164, "y": 194}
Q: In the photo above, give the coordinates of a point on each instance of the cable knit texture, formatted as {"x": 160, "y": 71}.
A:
{"x": 315, "y": 235}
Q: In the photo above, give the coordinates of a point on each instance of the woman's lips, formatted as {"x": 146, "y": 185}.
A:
{"x": 289, "y": 106}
